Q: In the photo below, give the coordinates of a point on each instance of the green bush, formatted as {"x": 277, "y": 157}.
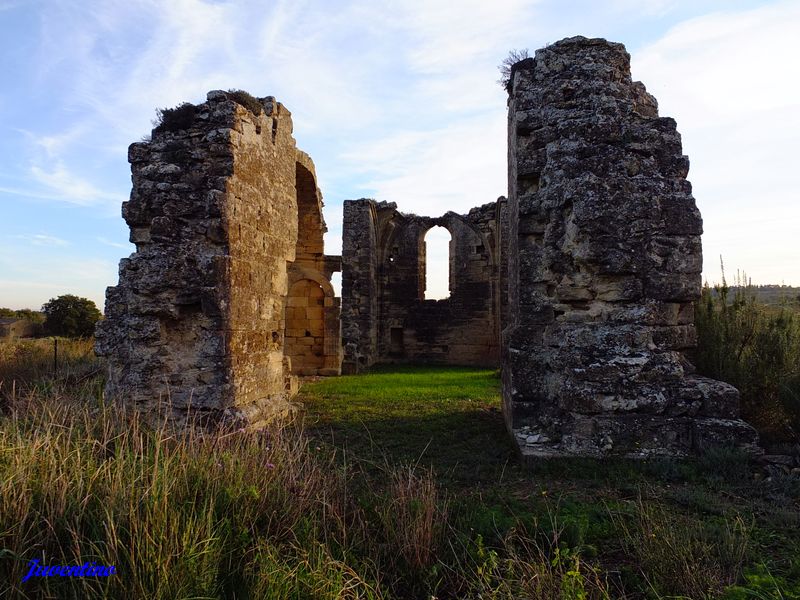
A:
{"x": 757, "y": 349}
{"x": 24, "y": 313}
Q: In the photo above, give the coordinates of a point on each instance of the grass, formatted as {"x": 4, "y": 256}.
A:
{"x": 397, "y": 484}
{"x": 423, "y": 415}
{"x": 636, "y": 529}
{"x": 34, "y": 366}
{"x": 247, "y": 100}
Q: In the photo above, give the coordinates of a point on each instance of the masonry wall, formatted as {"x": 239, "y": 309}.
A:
{"x": 197, "y": 322}
{"x": 359, "y": 284}
{"x": 313, "y": 329}
{"x": 604, "y": 264}
{"x": 385, "y": 315}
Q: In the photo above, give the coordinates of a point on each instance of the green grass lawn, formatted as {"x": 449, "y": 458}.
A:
{"x": 445, "y": 417}
{"x": 449, "y": 420}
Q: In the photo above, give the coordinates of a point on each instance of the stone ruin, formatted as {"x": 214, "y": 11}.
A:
{"x": 604, "y": 265}
{"x": 385, "y": 316}
{"x": 228, "y": 295}
{"x": 580, "y": 285}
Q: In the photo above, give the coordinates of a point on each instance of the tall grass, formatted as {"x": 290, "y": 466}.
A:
{"x": 678, "y": 558}
{"x": 757, "y": 349}
{"x": 228, "y": 514}
{"x": 180, "y": 514}
{"x": 36, "y": 365}
{"x": 277, "y": 514}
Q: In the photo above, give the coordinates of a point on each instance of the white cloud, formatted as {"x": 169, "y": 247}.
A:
{"x": 729, "y": 82}
{"x": 398, "y": 100}
{"x": 65, "y": 185}
{"x": 41, "y": 239}
{"x": 443, "y": 39}
{"x": 453, "y": 168}
{"x": 54, "y": 144}
{"x": 108, "y": 242}
{"x": 647, "y": 7}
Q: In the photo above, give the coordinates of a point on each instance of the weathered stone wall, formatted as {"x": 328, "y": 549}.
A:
{"x": 359, "y": 285}
{"x": 604, "y": 264}
{"x": 197, "y": 322}
{"x": 313, "y": 328}
{"x": 385, "y": 316}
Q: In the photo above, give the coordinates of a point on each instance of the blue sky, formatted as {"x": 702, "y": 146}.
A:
{"x": 393, "y": 100}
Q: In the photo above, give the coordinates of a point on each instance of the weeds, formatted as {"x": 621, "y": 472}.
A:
{"x": 678, "y": 557}
{"x": 278, "y": 514}
{"x": 35, "y": 366}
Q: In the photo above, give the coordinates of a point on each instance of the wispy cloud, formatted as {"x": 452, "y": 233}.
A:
{"x": 41, "y": 239}
{"x": 452, "y": 168}
{"x": 397, "y": 100}
{"x": 112, "y": 244}
{"x": 647, "y": 7}
{"x": 67, "y": 186}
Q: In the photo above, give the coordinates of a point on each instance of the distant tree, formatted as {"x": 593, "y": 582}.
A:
{"x": 514, "y": 56}
{"x": 7, "y": 312}
{"x": 70, "y": 316}
{"x": 30, "y": 315}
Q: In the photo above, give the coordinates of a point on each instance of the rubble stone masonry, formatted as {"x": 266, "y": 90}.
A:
{"x": 604, "y": 264}
{"x": 385, "y": 316}
{"x": 197, "y": 323}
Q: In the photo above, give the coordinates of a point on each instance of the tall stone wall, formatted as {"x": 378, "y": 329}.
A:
{"x": 359, "y": 285}
{"x": 386, "y": 317}
{"x": 604, "y": 264}
{"x": 197, "y": 322}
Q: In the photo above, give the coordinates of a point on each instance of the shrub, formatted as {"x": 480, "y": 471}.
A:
{"x": 757, "y": 349}
{"x": 506, "y": 67}
{"x": 24, "y": 313}
{"x": 175, "y": 119}
{"x": 247, "y": 100}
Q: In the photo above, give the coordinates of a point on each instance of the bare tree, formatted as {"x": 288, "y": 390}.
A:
{"x": 514, "y": 56}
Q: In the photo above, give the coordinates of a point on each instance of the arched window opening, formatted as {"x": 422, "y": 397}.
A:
{"x": 437, "y": 263}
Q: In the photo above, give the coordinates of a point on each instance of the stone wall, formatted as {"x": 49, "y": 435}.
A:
{"x": 604, "y": 264}
{"x": 385, "y": 316}
{"x": 197, "y": 322}
{"x": 313, "y": 329}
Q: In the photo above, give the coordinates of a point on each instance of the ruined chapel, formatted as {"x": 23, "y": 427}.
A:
{"x": 579, "y": 284}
